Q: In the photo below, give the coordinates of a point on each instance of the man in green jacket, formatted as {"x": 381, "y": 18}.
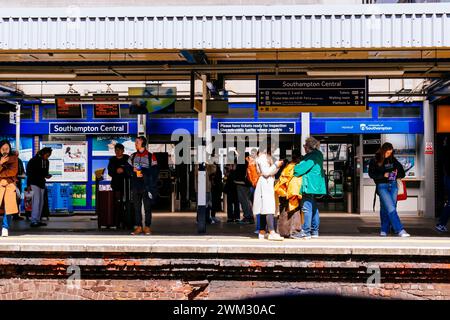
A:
{"x": 313, "y": 184}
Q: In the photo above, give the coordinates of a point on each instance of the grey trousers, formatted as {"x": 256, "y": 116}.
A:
{"x": 38, "y": 204}
{"x": 244, "y": 196}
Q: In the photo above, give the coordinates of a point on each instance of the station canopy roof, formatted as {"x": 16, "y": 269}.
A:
{"x": 157, "y": 43}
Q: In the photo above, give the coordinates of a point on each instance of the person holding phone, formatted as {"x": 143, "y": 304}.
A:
{"x": 385, "y": 169}
{"x": 264, "y": 199}
{"x": 9, "y": 167}
{"x": 37, "y": 173}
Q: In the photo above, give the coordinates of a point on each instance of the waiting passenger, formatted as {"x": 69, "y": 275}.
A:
{"x": 313, "y": 185}
{"x": 233, "y": 210}
{"x": 288, "y": 191}
{"x": 264, "y": 198}
{"x": 8, "y": 179}
{"x": 144, "y": 174}
{"x": 445, "y": 214}
{"x": 385, "y": 169}
{"x": 37, "y": 173}
{"x": 243, "y": 189}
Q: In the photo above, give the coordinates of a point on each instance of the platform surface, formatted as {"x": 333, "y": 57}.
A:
{"x": 344, "y": 234}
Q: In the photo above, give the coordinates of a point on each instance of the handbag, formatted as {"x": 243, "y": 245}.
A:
{"x": 28, "y": 200}
{"x": 402, "y": 193}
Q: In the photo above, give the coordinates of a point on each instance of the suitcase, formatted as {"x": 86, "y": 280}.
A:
{"x": 127, "y": 216}
{"x": 289, "y": 222}
{"x": 108, "y": 209}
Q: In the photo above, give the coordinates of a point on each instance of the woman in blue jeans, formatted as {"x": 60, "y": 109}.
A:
{"x": 385, "y": 169}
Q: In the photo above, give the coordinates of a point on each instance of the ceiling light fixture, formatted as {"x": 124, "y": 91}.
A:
{"x": 38, "y": 76}
{"x": 356, "y": 72}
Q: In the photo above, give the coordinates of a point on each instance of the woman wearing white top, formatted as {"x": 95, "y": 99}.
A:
{"x": 264, "y": 198}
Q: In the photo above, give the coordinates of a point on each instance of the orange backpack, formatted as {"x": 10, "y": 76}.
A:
{"x": 252, "y": 174}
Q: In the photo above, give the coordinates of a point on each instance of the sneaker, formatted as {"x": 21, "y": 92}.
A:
{"x": 301, "y": 235}
{"x": 316, "y": 235}
{"x": 4, "y": 232}
{"x": 147, "y": 231}
{"x": 403, "y": 234}
{"x": 216, "y": 220}
{"x": 246, "y": 221}
{"x": 441, "y": 228}
{"x": 261, "y": 236}
{"x": 383, "y": 234}
{"x": 137, "y": 231}
{"x": 17, "y": 217}
{"x": 274, "y": 237}
{"x": 37, "y": 224}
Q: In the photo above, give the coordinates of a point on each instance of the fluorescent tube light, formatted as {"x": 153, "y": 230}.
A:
{"x": 359, "y": 72}
{"x": 38, "y": 75}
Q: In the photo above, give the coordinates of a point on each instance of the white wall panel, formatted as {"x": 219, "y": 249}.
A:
{"x": 214, "y": 27}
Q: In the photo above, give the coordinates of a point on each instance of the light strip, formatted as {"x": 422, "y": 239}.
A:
{"x": 38, "y": 75}
{"x": 97, "y": 102}
{"x": 361, "y": 72}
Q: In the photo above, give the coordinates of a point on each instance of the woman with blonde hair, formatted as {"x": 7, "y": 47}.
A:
{"x": 264, "y": 198}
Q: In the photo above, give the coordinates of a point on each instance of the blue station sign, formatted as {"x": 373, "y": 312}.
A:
{"x": 256, "y": 127}
{"x": 366, "y": 127}
{"x": 87, "y": 128}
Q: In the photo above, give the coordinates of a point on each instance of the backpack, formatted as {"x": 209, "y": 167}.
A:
{"x": 252, "y": 174}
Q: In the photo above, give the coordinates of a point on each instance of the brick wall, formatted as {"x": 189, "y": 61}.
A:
{"x": 210, "y": 276}
{"x": 176, "y": 289}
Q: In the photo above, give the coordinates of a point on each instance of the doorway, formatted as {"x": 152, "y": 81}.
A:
{"x": 338, "y": 165}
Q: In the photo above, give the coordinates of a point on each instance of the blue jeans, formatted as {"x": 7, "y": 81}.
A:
{"x": 445, "y": 214}
{"x": 311, "y": 215}
{"x": 6, "y": 221}
{"x": 388, "y": 207}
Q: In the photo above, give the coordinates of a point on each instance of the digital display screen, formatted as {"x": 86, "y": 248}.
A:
{"x": 106, "y": 110}
{"x": 66, "y": 110}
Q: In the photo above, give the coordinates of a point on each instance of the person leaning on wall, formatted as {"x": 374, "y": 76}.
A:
{"x": 9, "y": 167}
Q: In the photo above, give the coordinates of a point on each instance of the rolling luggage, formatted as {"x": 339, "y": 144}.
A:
{"x": 108, "y": 209}
{"x": 127, "y": 217}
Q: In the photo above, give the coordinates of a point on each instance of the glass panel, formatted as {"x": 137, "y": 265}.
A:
{"x": 399, "y": 112}
{"x": 366, "y": 114}
{"x": 125, "y": 113}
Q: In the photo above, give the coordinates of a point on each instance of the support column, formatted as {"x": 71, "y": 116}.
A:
{"x": 306, "y": 130}
{"x": 428, "y": 190}
{"x": 17, "y": 127}
{"x": 201, "y": 158}
{"x": 142, "y": 125}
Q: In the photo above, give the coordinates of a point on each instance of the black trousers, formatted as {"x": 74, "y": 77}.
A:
{"x": 140, "y": 197}
{"x": 233, "y": 210}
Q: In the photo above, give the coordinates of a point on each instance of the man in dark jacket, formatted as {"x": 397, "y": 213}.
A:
{"x": 37, "y": 173}
{"x": 143, "y": 169}
{"x": 117, "y": 168}
{"x": 243, "y": 189}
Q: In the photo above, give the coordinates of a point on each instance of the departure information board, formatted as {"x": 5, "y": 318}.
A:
{"x": 67, "y": 108}
{"x": 285, "y": 95}
{"x": 106, "y": 110}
